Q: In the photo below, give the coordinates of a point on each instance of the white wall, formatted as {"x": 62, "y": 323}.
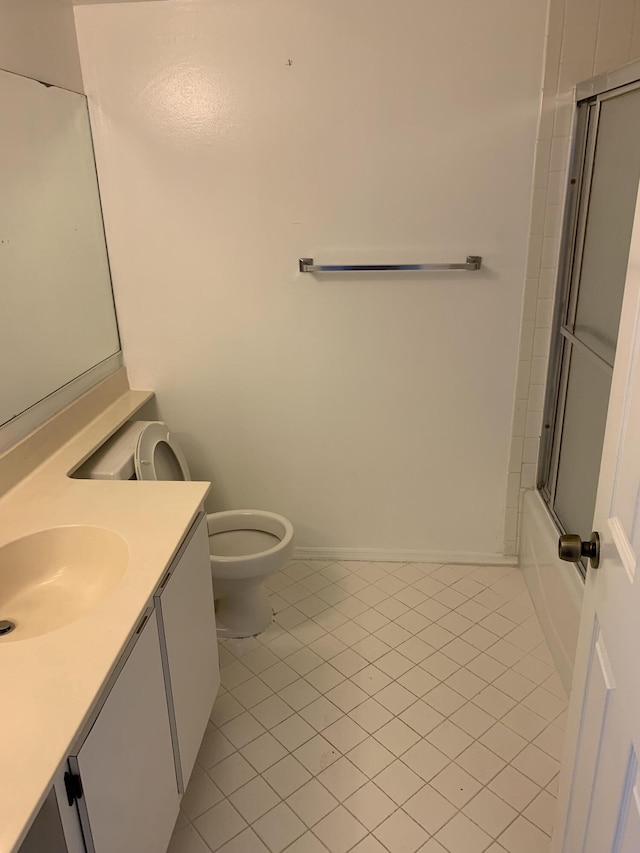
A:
{"x": 234, "y": 137}
{"x": 38, "y": 39}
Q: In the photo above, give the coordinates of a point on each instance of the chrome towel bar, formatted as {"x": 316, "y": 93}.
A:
{"x": 473, "y": 262}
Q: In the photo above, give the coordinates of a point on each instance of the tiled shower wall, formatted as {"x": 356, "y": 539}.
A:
{"x": 584, "y": 38}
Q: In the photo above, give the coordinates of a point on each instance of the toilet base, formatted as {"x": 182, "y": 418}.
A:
{"x": 242, "y": 607}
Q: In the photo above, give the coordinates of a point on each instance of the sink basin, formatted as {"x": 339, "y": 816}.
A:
{"x": 51, "y": 578}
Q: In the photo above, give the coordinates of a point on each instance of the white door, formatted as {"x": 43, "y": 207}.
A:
{"x": 599, "y": 798}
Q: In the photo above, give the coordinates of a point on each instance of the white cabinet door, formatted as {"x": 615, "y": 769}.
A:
{"x": 130, "y": 802}
{"x": 188, "y": 636}
{"x": 68, "y": 813}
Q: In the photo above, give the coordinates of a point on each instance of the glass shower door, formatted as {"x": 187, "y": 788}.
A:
{"x": 588, "y": 319}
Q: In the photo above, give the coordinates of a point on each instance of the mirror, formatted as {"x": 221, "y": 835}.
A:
{"x": 56, "y": 304}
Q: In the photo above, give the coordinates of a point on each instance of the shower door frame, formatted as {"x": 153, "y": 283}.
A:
{"x": 588, "y": 97}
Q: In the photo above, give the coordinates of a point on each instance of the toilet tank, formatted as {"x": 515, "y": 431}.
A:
{"x": 114, "y": 460}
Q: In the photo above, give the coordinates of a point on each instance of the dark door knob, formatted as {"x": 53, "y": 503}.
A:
{"x": 571, "y": 548}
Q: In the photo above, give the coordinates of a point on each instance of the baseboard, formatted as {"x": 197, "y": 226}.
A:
{"x": 373, "y": 555}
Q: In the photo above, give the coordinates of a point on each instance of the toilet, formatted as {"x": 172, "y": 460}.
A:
{"x": 246, "y": 546}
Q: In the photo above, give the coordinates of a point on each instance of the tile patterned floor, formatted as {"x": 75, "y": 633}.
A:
{"x": 390, "y": 708}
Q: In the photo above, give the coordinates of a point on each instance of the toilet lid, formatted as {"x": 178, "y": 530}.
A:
{"x": 158, "y": 456}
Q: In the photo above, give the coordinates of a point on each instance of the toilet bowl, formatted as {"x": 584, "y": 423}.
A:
{"x": 246, "y": 546}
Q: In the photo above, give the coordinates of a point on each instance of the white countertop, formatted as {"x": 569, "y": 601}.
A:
{"x": 49, "y": 683}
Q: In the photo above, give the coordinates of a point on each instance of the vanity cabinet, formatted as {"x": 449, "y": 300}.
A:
{"x": 127, "y": 773}
{"x": 126, "y": 763}
{"x": 46, "y": 832}
{"x": 184, "y": 604}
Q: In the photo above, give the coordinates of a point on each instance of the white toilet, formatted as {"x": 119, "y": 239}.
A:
{"x": 246, "y": 545}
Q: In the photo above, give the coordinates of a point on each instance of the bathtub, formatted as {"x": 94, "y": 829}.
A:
{"x": 555, "y": 586}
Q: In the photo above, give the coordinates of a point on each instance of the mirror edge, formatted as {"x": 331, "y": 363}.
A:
{"x": 35, "y": 416}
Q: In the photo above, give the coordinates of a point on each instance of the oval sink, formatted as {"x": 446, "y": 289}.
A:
{"x": 51, "y": 578}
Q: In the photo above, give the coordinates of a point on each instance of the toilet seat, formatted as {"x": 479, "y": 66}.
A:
{"x": 158, "y": 456}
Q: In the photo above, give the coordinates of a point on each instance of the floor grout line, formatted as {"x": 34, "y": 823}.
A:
{"x": 455, "y": 578}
